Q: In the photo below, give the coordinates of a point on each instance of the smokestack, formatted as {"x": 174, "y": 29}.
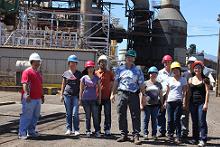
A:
{"x": 85, "y": 7}
{"x": 170, "y": 4}
{"x": 141, "y": 4}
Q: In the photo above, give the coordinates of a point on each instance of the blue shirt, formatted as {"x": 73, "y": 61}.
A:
{"x": 129, "y": 79}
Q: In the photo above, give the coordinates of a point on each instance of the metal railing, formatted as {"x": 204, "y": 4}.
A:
{"x": 41, "y": 39}
{"x": 41, "y": 29}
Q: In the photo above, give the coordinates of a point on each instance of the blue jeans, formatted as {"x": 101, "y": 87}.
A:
{"x": 199, "y": 124}
{"x": 91, "y": 108}
{"x": 150, "y": 111}
{"x": 161, "y": 119}
{"x": 72, "y": 110}
{"x": 107, "y": 113}
{"x": 174, "y": 110}
{"x": 29, "y": 116}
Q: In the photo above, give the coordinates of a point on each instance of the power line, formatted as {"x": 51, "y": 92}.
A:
{"x": 203, "y": 35}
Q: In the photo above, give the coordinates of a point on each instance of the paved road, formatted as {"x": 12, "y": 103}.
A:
{"x": 52, "y": 126}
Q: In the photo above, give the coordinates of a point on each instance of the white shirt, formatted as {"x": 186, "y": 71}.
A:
{"x": 162, "y": 78}
{"x": 176, "y": 89}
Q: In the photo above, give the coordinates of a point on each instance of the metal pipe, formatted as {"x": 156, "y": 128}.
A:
{"x": 141, "y": 4}
{"x": 218, "y": 65}
{"x": 1, "y": 28}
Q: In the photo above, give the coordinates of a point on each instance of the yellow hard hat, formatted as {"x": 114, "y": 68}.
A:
{"x": 175, "y": 65}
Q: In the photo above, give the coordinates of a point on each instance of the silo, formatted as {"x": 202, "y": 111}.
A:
{"x": 169, "y": 31}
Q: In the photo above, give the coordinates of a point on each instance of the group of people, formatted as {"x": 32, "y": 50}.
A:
{"x": 166, "y": 91}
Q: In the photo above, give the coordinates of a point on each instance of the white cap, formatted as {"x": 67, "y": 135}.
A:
{"x": 102, "y": 57}
{"x": 34, "y": 57}
{"x": 192, "y": 59}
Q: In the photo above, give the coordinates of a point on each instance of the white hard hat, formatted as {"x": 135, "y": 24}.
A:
{"x": 102, "y": 57}
{"x": 34, "y": 57}
{"x": 192, "y": 59}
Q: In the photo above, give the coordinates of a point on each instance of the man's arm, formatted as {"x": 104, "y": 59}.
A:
{"x": 114, "y": 91}
{"x": 26, "y": 91}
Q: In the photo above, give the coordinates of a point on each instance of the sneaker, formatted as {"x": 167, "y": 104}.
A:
{"x": 123, "y": 138}
{"x": 193, "y": 142}
{"x": 88, "y": 134}
{"x": 162, "y": 135}
{"x": 33, "y": 135}
{"x": 154, "y": 137}
{"x": 97, "y": 134}
{"x": 178, "y": 141}
{"x": 170, "y": 138}
{"x": 137, "y": 141}
{"x": 184, "y": 136}
{"x": 145, "y": 137}
{"x": 23, "y": 137}
{"x": 68, "y": 132}
{"x": 201, "y": 143}
{"x": 76, "y": 133}
{"x": 107, "y": 133}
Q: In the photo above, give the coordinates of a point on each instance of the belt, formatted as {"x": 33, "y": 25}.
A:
{"x": 129, "y": 92}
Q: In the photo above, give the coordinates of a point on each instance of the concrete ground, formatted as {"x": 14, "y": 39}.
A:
{"x": 52, "y": 126}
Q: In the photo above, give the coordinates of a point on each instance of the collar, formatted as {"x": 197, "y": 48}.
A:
{"x": 166, "y": 72}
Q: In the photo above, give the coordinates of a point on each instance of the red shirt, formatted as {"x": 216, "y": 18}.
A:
{"x": 106, "y": 77}
{"x": 34, "y": 79}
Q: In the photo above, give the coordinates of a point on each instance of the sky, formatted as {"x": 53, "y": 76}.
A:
{"x": 201, "y": 16}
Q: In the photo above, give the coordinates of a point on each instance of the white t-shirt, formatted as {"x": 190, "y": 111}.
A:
{"x": 176, "y": 88}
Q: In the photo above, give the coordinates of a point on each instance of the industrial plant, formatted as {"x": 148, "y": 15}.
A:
{"x": 58, "y": 28}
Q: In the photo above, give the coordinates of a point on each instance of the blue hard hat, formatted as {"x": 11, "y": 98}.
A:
{"x": 73, "y": 58}
{"x": 153, "y": 69}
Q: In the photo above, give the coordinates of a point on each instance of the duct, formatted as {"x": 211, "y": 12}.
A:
{"x": 170, "y": 4}
{"x": 141, "y": 4}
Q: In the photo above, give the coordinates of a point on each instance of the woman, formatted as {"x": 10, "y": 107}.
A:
{"x": 151, "y": 103}
{"x": 199, "y": 88}
{"x": 175, "y": 101}
{"x": 70, "y": 95}
{"x": 89, "y": 83}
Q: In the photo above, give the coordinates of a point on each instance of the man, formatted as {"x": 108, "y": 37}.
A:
{"x": 106, "y": 82}
{"x": 32, "y": 97}
{"x": 129, "y": 80}
{"x": 163, "y": 76}
{"x": 185, "y": 116}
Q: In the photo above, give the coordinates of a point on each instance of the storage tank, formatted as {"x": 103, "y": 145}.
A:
{"x": 169, "y": 31}
{"x": 170, "y": 4}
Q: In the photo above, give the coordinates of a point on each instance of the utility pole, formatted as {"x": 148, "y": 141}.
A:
{"x": 218, "y": 64}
